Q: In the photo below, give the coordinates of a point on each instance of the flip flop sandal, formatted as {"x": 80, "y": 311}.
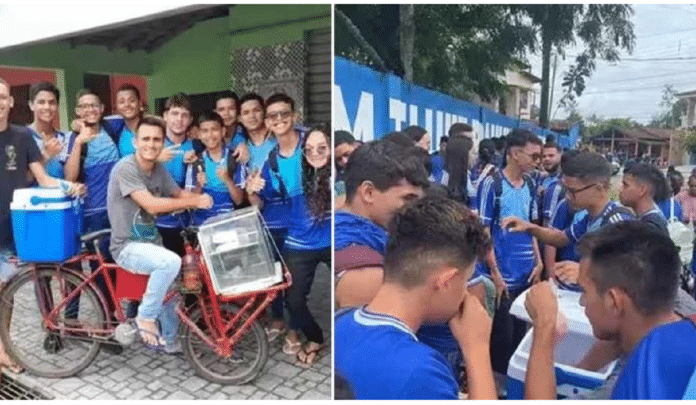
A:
{"x": 160, "y": 346}
{"x": 290, "y": 348}
{"x": 307, "y": 353}
{"x": 274, "y": 333}
{"x": 13, "y": 368}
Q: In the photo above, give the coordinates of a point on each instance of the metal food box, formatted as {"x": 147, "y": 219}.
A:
{"x": 238, "y": 250}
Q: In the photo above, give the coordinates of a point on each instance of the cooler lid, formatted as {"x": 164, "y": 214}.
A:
{"x": 40, "y": 199}
{"x": 568, "y": 303}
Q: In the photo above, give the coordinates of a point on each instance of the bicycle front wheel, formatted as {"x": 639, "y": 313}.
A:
{"x": 49, "y": 353}
{"x": 248, "y": 358}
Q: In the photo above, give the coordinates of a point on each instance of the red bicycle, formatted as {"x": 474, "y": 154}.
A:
{"x": 55, "y": 317}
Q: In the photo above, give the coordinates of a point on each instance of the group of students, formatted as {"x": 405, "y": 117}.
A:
{"x": 138, "y": 171}
{"x": 426, "y": 270}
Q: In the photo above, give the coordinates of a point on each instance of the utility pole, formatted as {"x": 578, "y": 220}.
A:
{"x": 553, "y": 82}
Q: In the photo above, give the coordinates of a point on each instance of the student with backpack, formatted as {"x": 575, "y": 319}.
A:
{"x": 516, "y": 262}
{"x": 212, "y": 175}
{"x": 586, "y": 178}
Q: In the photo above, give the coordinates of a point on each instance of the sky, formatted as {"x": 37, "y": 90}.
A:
{"x": 633, "y": 86}
{"x": 629, "y": 88}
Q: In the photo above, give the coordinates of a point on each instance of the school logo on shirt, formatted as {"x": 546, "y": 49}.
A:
{"x": 11, "y": 158}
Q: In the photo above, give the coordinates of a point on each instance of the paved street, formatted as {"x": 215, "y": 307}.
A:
{"x": 139, "y": 373}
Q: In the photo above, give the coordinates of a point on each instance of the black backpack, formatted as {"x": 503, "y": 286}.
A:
{"x": 498, "y": 190}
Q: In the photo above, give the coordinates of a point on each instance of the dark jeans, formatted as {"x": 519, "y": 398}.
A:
{"x": 507, "y": 333}
{"x": 172, "y": 239}
{"x": 94, "y": 223}
{"x": 303, "y": 265}
{"x": 277, "y": 304}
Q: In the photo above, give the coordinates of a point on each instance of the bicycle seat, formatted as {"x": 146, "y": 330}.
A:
{"x": 95, "y": 235}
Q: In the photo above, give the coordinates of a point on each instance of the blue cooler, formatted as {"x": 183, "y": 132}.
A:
{"x": 570, "y": 380}
{"x": 46, "y": 224}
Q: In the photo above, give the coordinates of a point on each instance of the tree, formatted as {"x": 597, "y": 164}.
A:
{"x": 671, "y": 110}
{"x": 603, "y": 29}
{"x": 460, "y": 50}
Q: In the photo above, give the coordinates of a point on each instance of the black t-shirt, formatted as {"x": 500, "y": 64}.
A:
{"x": 656, "y": 219}
{"x": 17, "y": 151}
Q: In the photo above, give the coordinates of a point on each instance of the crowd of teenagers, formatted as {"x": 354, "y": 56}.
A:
{"x": 431, "y": 251}
{"x": 146, "y": 178}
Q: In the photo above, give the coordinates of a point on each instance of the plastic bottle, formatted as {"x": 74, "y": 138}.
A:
{"x": 191, "y": 280}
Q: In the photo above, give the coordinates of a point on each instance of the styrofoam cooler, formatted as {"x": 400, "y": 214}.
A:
{"x": 46, "y": 224}
{"x": 239, "y": 252}
{"x": 570, "y": 380}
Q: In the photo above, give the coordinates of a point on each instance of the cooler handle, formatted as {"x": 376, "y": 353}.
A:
{"x": 36, "y": 200}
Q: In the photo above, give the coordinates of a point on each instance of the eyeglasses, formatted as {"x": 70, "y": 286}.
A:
{"x": 322, "y": 150}
{"x": 280, "y": 115}
{"x": 88, "y": 106}
{"x": 534, "y": 156}
{"x": 574, "y": 192}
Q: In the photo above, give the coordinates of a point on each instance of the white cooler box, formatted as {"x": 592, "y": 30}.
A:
{"x": 239, "y": 252}
{"x": 570, "y": 350}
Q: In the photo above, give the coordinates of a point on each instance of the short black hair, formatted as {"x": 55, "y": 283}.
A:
{"x": 588, "y": 166}
{"x": 86, "y": 92}
{"x": 129, "y": 87}
{"x": 178, "y": 100}
{"x": 415, "y": 132}
{"x": 399, "y": 138}
{"x": 499, "y": 143}
{"x": 210, "y": 116}
{"x": 520, "y": 138}
{"x": 637, "y": 258}
{"x": 152, "y": 121}
{"x": 249, "y": 97}
{"x": 429, "y": 233}
{"x": 280, "y": 98}
{"x": 486, "y": 151}
{"x": 444, "y": 139}
{"x": 458, "y": 129}
{"x": 341, "y": 137}
{"x": 652, "y": 176}
{"x": 36, "y": 88}
{"x": 230, "y": 94}
{"x": 548, "y": 145}
{"x": 384, "y": 164}
{"x": 566, "y": 157}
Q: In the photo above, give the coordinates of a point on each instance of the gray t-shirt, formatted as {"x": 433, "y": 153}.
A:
{"x": 684, "y": 305}
{"x": 130, "y": 222}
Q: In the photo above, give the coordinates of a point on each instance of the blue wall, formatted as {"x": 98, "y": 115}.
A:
{"x": 370, "y": 104}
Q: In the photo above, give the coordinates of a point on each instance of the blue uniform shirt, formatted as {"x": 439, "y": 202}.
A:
{"x": 381, "y": 358}
{"x": 666, "y": 207}
{"x": 259, "y": 154}
{"x": 102, "y": 155}
{"x": 222, "y": 200}
{"x": 438, "y": 165}
{"x": 586, "y": 224}
{"x": 514, "y": 251}
{"x": 177, "y": 169}
{"x": 55, "y": 165}
{"x": 661, "y": 364}
{"x": 553, "y": 194}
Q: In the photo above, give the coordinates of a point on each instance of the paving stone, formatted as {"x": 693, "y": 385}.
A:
{"x": 286, "y": 392}
{"x": 218, "y": 396}
{"x": 247, "y": 389}
{"x": 158, "y": 372}
{"x": 312, "y": 375}
{"x": 90, "y": 391}
{"x": 258, "y": 395}
{"x": 123, "y": 374}
{"x": 285, "y": 370}
{"x": 125, "y": 393}
{"x": 268, "y": 382}
{"x": 159, "y": 394}
{"x": 69, "y": 385}
{"x": 271, "y": 396}
{"x": 154, "y": 386}
{"x": 180, "y": 395}
{"x": 140, "y": 394}
{"x": 194, "y": 384}
{"x": 314, "y": 395}
{"x": 105, "y": 396}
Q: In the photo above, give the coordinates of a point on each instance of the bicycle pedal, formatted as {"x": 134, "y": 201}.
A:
{"x": 53, "y": 344}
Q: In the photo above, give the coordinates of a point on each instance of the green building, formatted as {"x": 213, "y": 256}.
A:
{"x": 197, "y": 50}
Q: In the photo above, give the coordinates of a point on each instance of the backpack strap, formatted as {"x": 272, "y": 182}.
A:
{"x": 497, "y": 193}
{"x": 617, "y": 209}
{"x": 273, "y": 164}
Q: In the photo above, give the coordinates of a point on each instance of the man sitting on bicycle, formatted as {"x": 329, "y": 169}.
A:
{"x": 139, "y": 189}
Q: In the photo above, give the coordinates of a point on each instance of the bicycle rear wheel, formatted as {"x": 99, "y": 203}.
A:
{"x": 43, "y": 352}
{"x": 249, "y": 355}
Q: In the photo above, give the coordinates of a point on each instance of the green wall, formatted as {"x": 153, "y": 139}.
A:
{"x": 196, "y": 61}
{"x": 76, "y": 62}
